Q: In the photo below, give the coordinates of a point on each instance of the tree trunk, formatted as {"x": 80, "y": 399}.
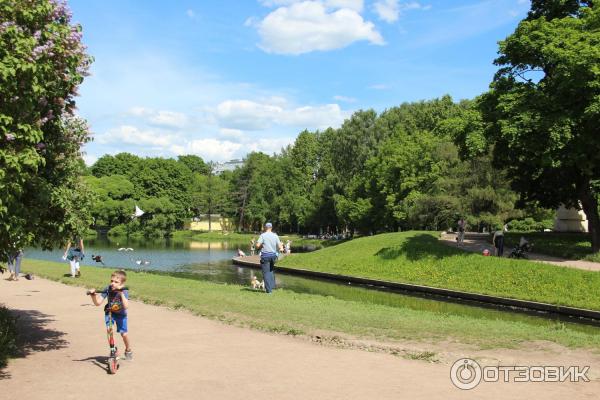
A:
{"x": 590, "y": 207}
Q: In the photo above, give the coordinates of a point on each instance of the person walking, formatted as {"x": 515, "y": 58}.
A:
{"x": 460, "y": 238}
{"x": 269, "y": 243}
{"x": 498, "y": 240}
{"x": 74, "y": 255}
{"x": 14, "y": 265}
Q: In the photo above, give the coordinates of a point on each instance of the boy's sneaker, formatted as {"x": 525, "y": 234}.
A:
{"x": 128, "y": 355}
{"x": 77, "y": 274}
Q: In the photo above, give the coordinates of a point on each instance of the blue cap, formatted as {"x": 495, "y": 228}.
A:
{"x": 268, "y": 225}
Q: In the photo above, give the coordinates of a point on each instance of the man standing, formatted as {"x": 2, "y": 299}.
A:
{"x": 269, "y": 243}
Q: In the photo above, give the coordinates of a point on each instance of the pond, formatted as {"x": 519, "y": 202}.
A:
{"x": 211, "y": 261}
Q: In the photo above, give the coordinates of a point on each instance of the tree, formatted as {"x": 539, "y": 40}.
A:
{"x": 211, "y": 194}
{"x": 195, "y": 164}
{"x": 543, "y": 108}
{"x": 42, "y": 62}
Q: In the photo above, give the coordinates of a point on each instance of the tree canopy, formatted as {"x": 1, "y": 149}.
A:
{"x": 42, "y": 62}
{"x": 543, "y": 107}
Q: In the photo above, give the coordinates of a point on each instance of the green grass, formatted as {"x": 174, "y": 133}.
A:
{"x": 419, "y": 258}
{"x": 292, "y": 313}
{"x": 576, "y": 246}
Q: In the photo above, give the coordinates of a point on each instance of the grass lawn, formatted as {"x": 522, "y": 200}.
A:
{"x": 419, "y": 258}
{"x": 294, "y": 313}
{"x": 576, "y": 246}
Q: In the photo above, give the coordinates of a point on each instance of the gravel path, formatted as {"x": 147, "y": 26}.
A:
{"x": 181, "y": 356}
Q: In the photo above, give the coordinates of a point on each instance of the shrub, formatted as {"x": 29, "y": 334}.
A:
{"x": 8, "y": 335}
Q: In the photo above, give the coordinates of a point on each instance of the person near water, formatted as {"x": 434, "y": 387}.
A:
{"x": 269, "y": 244}
{"x": 14, "y": 265}
{"x": 74, "y": 254}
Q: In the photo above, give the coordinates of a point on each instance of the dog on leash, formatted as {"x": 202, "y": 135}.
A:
{"x": 256, "y": 284}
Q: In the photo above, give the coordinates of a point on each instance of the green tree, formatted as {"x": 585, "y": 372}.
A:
{"x": 42, "y": 62}
{"x": 543, "y": 109}
{"x": 211, "y": 195}
{"x": 195, "y": 164}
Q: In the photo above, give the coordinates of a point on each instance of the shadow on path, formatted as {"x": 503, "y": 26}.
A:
{"x": 99, "y": 361}
{"x": 33, "y": 336}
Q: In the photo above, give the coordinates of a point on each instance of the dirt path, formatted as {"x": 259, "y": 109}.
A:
{"x": 180, "y": 356}
{"x": 477, "y": 245}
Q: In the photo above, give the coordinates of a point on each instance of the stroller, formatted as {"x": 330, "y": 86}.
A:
{"x": 521, "y": 250}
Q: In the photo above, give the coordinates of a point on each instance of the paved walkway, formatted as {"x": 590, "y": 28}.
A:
{"x": 477, "y": 243}
{"x": 181, "y": 356}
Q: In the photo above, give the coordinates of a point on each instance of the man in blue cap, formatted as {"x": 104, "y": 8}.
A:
{"x": 269, "y": 243}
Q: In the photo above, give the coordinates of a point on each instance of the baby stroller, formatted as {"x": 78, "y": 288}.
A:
{"x": 521, "y": 250}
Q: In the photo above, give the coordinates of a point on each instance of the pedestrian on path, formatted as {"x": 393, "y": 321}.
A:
{"x": 14, "y": 265}
{"x": 270, "y": 244}
{"x": 498, "y": 240}
{"x": 74, "y": 254}
{"x": 460, "y": 237}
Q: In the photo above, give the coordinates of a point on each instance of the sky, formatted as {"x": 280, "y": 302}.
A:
{"x": 222, "y": 78}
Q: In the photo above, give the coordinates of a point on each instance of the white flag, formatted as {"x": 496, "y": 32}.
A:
{"x": 138, "y": 212}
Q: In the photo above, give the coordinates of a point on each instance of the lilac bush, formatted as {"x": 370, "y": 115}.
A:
{"x": 42, "y": 63}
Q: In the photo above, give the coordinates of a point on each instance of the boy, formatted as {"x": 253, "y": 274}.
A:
{"x": 118, "y": 303}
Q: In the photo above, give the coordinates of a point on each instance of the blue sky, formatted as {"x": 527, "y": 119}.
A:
{"x": 221, "y": 78}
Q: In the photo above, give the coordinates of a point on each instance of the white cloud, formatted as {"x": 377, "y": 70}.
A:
{"x": 247, "y": 115}
{"x": 190, "y": 13}
{"x": 307, "y": 117}
{"x": 269, "y": 146}
{"x": 356, "y": 5}
{"x": 128, "y": 134}
{"x": 232, "y": 133}
{"x": 140, "y": 111}
{"x": 390, "y": 10}
{"x": 310, "y": 26}
{"x": 379, "y": 86}
{"x": 345, "y": 99}
{"x": 212, "y": 149}
{"x": 169, "y": 119}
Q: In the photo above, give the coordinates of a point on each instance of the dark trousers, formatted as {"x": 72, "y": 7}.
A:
{"x": 499, "y": 243}
{"x": 268, "y": 269}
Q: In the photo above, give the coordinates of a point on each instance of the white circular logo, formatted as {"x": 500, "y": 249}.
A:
{"x": 465, "y": 373}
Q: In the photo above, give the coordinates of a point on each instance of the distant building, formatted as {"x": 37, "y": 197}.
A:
{"x": 218, "y": 223}
{"x": 227, "y": 166}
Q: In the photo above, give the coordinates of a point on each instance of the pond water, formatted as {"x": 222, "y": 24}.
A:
{"x": 211, "y": 261}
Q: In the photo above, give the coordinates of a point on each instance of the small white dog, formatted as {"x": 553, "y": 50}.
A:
{"x": 256, "y": 284}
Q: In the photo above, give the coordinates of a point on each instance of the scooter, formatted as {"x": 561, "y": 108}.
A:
{"x": 113, "y": 359}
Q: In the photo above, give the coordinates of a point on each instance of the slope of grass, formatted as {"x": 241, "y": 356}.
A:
{"x": 419, "y": 258}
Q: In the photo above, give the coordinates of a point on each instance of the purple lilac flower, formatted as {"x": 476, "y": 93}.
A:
{"x": 10, "y": 137}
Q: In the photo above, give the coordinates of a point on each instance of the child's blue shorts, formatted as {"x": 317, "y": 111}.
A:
{"x": 119, "y": 320}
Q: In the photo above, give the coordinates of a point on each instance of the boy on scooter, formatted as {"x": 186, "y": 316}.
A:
{"x": 118, "y": 303}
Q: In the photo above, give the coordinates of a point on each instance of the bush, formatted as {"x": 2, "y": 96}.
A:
{"x": 8, "y": 335}
{"x": 119, "y": 230}
{"x": 530, "y": 225}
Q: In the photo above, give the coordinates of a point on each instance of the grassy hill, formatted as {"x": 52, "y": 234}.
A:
{"x": 419, "y": 258}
